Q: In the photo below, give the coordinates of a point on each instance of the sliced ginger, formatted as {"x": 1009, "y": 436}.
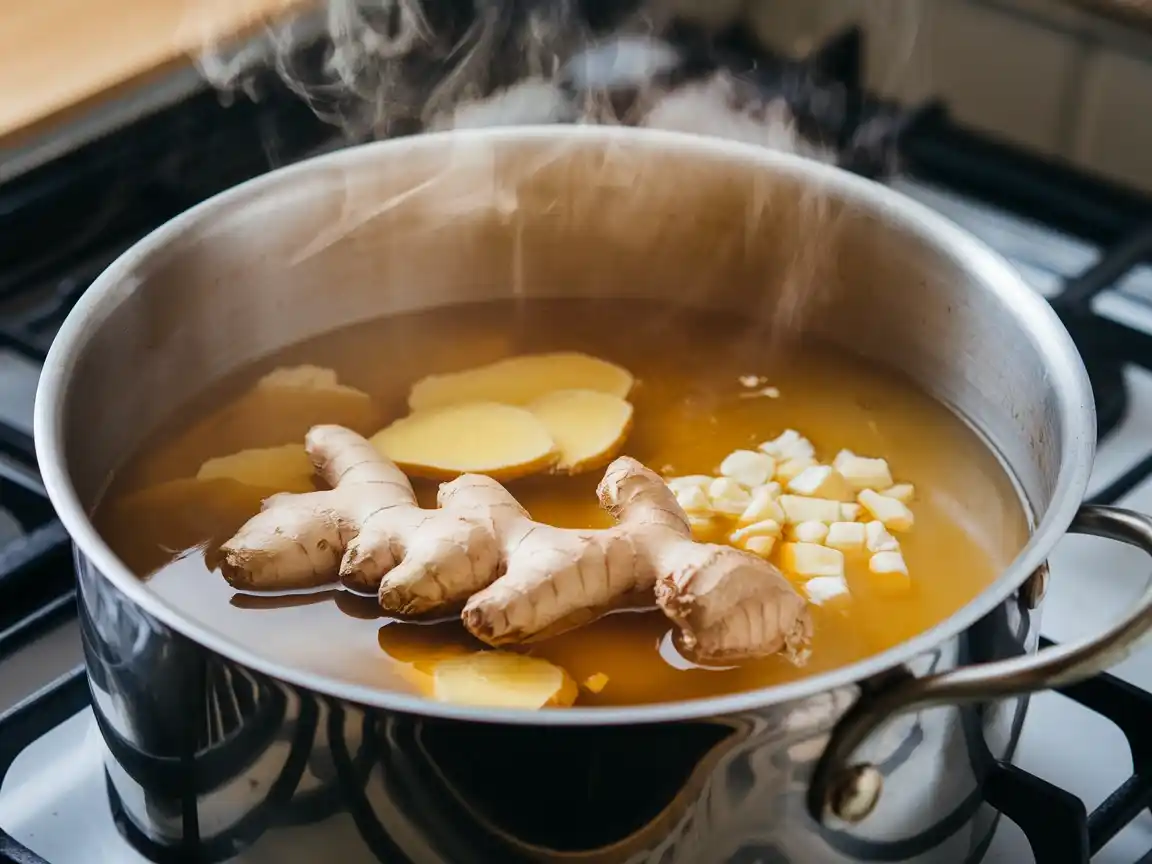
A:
{"x": 285, "y": 469}
{"x": 279, "y": 409}
{"x": 589, "y": 427}
{"x": 500, "y": 679}
{"x": 515, "y": 580}
{"x": 521, "y": 381}
{"x": 500, "y": 441}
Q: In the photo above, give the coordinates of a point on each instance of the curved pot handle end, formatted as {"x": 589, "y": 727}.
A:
{"x": 847, "y": 791}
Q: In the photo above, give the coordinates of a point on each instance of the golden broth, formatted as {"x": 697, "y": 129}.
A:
{"x": 691, "y": 411}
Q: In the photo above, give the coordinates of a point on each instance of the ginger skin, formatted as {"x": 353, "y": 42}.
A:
{"x": 513, "y": 580}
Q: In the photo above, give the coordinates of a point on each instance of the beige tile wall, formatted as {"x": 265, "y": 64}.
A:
{"x": 1037, "y": 72}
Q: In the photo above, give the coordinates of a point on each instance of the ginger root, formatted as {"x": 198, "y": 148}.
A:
{"x": 515, "y": 580}
{"x": 589, "y": 427}
{"x": 520, "y": 381}
{"x": 501, "y": 441}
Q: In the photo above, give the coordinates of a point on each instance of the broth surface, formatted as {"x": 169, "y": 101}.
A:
{"x": 691, "y": 410}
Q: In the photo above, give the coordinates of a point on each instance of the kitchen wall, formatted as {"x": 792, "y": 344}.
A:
{"x": 1042, "y": 73}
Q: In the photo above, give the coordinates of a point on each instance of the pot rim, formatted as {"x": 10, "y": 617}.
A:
{"x": 1073, "y": 394}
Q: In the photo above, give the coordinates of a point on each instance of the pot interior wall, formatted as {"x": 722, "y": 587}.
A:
{"x": 387, "y": 229}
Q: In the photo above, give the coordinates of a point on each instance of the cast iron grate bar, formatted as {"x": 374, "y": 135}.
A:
{"x": 1133, "y": 250}
{"x": 1128, "y": 707}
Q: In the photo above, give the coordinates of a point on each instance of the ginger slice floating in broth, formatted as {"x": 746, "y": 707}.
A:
{"x": 500, "y": 441}
{"x": 279, "y": 409}
{"x": 521, "y": 381}
{"x": 589, "y": 427}
{"x": 499, "y": 679}
{"x": 286, "y": 468}
{"x": 516, "y": 580}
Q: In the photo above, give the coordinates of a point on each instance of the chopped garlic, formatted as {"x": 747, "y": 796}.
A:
{"x": 789, "y": 470}
{"x": 809, "y": 532}
{"x": 764, "y": 505}
{"x": 750, "y": 380}
{"x": 810, "y": 559}
{"x": 764, "y": 528}
{"x": 861, "y": 472}
{"x": 846, "y": 536}
{"x": 798, "y": 508}
{"x": 761, "y": 546}
{"x": 888, "y": 562}
{"x": 694, "y": 500}
{"x": 850, "y": 512}
{"x": 894, "y": 514}
{"x": 820, "y": 481}
{"x": 830, "y": 591}
{"x": 877, "y": 538}
{"x": 889, "y": 573}
{"x": 789, "y": 445}
{"x": 692, "y": 481}
{"x": 903, "y": 492}
{"x": 748, "y": 467}
{"x": 728, "y": 496}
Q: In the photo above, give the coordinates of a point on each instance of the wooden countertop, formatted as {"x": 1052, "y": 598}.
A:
{"x": 59, "y": 57}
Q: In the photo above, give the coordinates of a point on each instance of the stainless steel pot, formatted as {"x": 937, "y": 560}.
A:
{"x": 214, "y": 750}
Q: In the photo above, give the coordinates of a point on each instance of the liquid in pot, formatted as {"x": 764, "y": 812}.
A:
{"x": 693, "y": 406}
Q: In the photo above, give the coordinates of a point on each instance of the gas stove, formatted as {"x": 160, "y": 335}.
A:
{"x": 1080, "y": 787}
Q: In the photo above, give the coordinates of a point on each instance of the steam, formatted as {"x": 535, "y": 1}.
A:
{"x": 379, "y": 68}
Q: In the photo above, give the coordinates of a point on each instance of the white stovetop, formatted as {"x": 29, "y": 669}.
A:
{"x": 54, "y": 800}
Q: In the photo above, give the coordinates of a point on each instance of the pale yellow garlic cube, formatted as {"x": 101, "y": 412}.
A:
{"x": 694, "y": 500}
{"x": 846, "y": 536}
{"x": 790, "y": 444}
{"x": 902, "y": 492}
{"x": 762, "y": 545}
{"x": 728, "y": 496}
{"x": 877, "y": 538}
{"x": 888, "y": 573}
{"x": 809, "y": 532}
{"x": 850, "y": 512}
{"x": 810, "y": 560}
{"x": 861, "y": 472}
{"x": 748, "y": 467}
{"x": 763, "y": 528}
{"x": 894, "y": 514}
{"x": 798, "y": 508}
{"x": 689, "y": 481}
{"x": 790, "y": 469}
{"x": 829, "y": 592}
{"x": 821, "y": 481}
{"x": 764, "y": 505}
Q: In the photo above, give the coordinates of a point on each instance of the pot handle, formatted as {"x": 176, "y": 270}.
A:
{"x": 839, "y": 788}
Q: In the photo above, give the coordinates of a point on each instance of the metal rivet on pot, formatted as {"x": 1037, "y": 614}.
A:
{"x": 1035, "y": 587}
{"x": 856, "y": 793}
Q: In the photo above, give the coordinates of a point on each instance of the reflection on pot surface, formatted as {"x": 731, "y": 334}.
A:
{"x": 244, "y": 765}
